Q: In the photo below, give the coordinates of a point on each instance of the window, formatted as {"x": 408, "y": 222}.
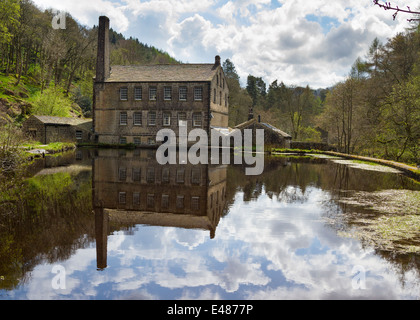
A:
{"x": 136, "y": 198}
{"x": 151, "y": 120}
{"x": 124, "y": 94}
{"x": 226, "y": 100}
{"x": 180, "y": 202}
{"x": 197, "y": 120}
{"x": 195, "y": 203}
{"x": 122, "y": 174}
{"x": 167, "y": 93}
{"x": 195, "y": 176}
{"x": 166, "y": 119}
{"x": 152, "y": 93}
{"x": 137, "y": 118}
{"x": 137, "y": 142}
{"x": 165, "y": 201}
{"x": 220, "y": 102}
{"x": 182, "y": 93}
{"x": 165, "y": 175}
{"x": 150, "y": 200}
{"x": 138, "y": 93}
{"x": 79, "y": 135}
{"x": 123, "y": 140}
{"x": 123, "y": 119}
{"x": 198, "y": 94}
{"x": 150, "y": 176}
{"x": 182, "y": 119}
{"x": 122, "y": 196}
{"x": 180, "y": 174}
{"x": 136, "y": 174}
{"x": 151, "y": 141}
{"x": 214, "y": 95}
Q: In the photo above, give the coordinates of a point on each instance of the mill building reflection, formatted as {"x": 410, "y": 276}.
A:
{"x": 131, "y": 188}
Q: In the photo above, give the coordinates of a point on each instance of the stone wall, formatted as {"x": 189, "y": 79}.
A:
{"x": 109, "y": 106}
{"x": 311, "y": 146}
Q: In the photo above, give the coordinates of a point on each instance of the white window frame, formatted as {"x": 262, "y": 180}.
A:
{"x": 123, "y": 94}
{"x": 197, "y": 122}
{"x": 183, "y": 92}
{"x": 167, "y": 93}
{"x": 198, "y": 94}
{"x": 151, "y": 121}
{"x": 137, "y": 118}
{"x": 138, "y": 93}
{"x": 123, "y": 118}
{"x": 152, "y": 93}
{"x": 166, "y": 121}
{"x": 182, "y": 122}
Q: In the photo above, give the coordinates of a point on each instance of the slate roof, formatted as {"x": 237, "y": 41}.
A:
{"x": 265, "y": 125}
{"x": 163, "y": 73}
{"x": 282, "y": 133}
{"x": 62, "y": 120}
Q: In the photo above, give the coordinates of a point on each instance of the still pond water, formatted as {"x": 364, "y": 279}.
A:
{"x": 113, "y": 224}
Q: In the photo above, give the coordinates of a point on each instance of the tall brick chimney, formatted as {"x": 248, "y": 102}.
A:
{"x": 216, "y": 62}
{"x": 102, "y": 62}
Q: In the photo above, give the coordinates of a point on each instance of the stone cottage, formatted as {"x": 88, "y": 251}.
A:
{"x": 273, "y": 137}
{"x": 132, "y": 103}
{"x": 48, "y": 129}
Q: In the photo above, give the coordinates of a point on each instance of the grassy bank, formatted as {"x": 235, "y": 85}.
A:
{"x": 409, "y": 170}
{"x": 36, "y": 149}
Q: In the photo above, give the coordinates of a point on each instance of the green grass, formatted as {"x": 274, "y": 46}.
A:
{"x": 52, "y": 147}
{"x": 366, "y": 162}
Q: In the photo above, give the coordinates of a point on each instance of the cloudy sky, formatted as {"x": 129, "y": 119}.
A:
{"x": 295, "y": 41}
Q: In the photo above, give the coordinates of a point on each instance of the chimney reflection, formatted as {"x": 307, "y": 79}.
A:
{"x": 130, "y": 188}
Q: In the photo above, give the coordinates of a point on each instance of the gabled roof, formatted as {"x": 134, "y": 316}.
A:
{"x": 61, "y": 120}
{"x": 282, "y": 133}
{"x": 163, "y": 73}
{"x": 265, "y": 126}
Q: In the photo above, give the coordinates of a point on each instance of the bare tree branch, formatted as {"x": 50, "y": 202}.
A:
{"x": 388, "y": 6}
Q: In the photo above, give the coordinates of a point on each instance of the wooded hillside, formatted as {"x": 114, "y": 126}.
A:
{"x": 49, "y": 71}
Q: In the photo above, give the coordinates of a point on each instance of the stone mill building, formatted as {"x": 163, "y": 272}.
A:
{"x": 132, "y": 103}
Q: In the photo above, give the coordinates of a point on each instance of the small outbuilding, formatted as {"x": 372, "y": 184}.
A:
{"x": 48, "y": 129}
{"x": 273, "y": 137}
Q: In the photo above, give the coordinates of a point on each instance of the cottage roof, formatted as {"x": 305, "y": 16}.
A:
{"x": 265, "y": 125}
{"x": 61, "y": 120}
{"x": 282, "y": 133}
{"x": 163, "y": 73}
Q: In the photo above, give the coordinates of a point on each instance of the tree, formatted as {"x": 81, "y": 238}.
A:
{"x": 257, "y": 89}
{"x": 239, "y": 100}
{"x": 400, "y": 130}
{"x": 388, "y": 6}
{"x": 230, "y": 70}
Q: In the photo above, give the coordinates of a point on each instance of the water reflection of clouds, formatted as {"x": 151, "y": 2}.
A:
{"x": 272, "y": 251}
